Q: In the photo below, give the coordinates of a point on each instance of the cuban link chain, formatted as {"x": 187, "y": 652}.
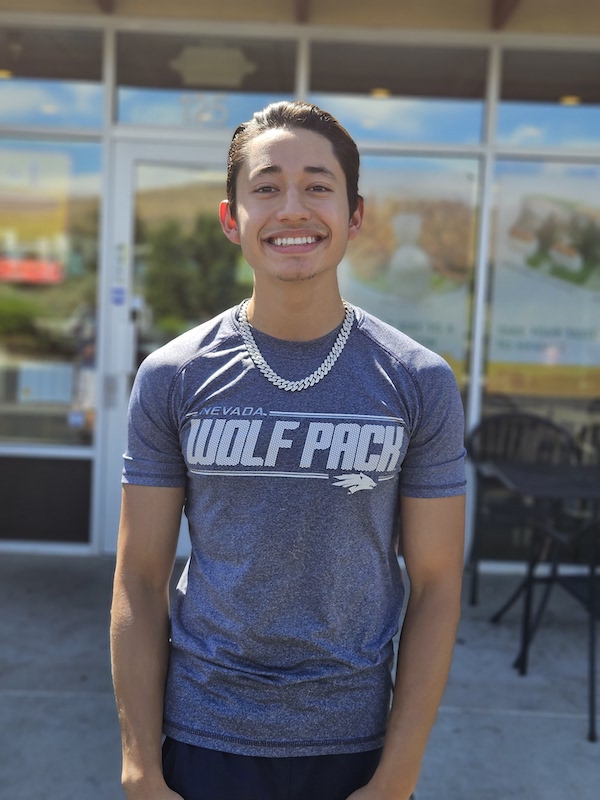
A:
{"x": 318, "y": 375}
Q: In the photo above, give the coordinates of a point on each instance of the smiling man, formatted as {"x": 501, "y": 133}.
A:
{"x": 299, "y": 434}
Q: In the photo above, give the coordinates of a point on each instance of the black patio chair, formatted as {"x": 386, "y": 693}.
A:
{"x": 584, "y": 587}
{"x": 588, "y": 439}
{"x": 560, "y": 528}
{"x": 564, "y": 538}
{"x": 516, "y": 437}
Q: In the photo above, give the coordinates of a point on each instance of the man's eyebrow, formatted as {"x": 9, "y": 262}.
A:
{"x": 273, "y": 169}
{"x": 320, "y": 171}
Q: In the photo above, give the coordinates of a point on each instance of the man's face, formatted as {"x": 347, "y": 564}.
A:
{"x": 292, "y": 217}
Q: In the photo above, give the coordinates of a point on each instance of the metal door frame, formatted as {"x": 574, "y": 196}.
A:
{"x": 117, "y": 347}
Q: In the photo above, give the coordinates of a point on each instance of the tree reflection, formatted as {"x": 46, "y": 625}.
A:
{"x": 185, "y": 276}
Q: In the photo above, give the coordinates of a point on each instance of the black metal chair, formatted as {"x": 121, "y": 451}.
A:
{"x": 588, "y": 439}
{"x": 585, "y": 588}
{"x": 516, "y": 437}
{"x": 555, "y": 537}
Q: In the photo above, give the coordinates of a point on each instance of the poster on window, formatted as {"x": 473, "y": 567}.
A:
{"x": 545, "y": 311}
{"x": 412, "y": 263}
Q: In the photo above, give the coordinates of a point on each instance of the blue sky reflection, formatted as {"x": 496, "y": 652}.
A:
{"x": 204, "y": 110}
{"x": 51, "y": 103}
{"x": 549, "y": 125}
{"x": 80, "y": 164}
{"x": 403, "y": 119}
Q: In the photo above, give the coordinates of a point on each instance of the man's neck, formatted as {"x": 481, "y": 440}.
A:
{"x": 296, "y": 313}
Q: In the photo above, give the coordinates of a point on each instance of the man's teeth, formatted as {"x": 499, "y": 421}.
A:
{"x": 287, "y": 241}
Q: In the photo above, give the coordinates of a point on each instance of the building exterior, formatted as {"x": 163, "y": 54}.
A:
{"x": 479, "y": 128}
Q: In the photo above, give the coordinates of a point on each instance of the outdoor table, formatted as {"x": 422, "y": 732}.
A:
{"x": 565, "y": 505}
{"x": 548, "y": 481}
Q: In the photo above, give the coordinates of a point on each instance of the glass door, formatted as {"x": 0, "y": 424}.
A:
{"x": 171, "y": 268}
{"x": 50, "y": 198}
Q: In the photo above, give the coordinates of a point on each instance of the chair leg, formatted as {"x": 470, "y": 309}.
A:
{"x": 522, "y": 586}
{"x": 527, "y": 587}
{"x": 592, "y": 735}
{"x": 474, "y": 565}
{"x": 528, "y": 632}
{"x": 478, "y": 528}
{"x": 541, "y": 608}
{"x": 549, "y": 581}
{"x": 510, "y": 602}
{"x": 520, "y": 662}
{"x": 474, "y": 587}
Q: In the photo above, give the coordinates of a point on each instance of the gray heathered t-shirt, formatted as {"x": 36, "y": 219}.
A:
{"x": 282, "y": 626}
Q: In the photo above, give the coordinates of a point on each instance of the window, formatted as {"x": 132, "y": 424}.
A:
{"x": 550, "y": 99}
{"x": 51, "y": 78}
{"x": 412, "y": 264}
{"x": 197, "y": 82}
{"x": 544, "y": 333}
{"x": 399, "y": 93}
{"x": 185, "y": 270}
{"x": 49, "y": 209}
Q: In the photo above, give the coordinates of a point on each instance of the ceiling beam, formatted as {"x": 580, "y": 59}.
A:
{"x": 106, "y": 6}
{"x": 502, "y": 11}
{"x": 302, "y": 10}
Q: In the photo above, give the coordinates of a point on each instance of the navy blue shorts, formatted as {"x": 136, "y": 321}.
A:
{"x": 197, "y": 773}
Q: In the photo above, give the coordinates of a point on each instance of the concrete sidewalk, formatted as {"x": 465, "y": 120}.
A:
{"x": 497, "y": 736}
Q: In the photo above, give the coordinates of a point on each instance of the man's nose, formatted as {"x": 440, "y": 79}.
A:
{"x": 293, "y": 205}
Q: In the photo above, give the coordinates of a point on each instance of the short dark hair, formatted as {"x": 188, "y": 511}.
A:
{"x": 289, "y": 115}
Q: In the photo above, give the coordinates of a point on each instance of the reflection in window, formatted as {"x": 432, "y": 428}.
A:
{"x": 398, "y": 93}
{"x": 412, "y": 263}
{"x": 185, "y": 270}
{"x": 49, "y": 208}
{"x": 206, "y": 110}
{"x": 51, "y": 77}
{"x": 544, "y": 342}
{"x": 550, "y": 99}
{"x": 197, "y": 82}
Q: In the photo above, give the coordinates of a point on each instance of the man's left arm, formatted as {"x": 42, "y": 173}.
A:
{"x": 432, "y": 546}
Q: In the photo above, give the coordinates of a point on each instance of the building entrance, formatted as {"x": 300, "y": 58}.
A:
{"x": 170, "y": 268}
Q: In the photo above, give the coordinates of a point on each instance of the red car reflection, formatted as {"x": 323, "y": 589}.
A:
{"x": 30, "y": 270}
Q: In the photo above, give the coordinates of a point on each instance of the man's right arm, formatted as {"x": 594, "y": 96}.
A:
{"x": 148, "y": 531}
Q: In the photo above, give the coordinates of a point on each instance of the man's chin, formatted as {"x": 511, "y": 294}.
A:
{"x": 300, "y": 276}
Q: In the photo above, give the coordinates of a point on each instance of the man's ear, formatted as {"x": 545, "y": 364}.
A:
{"x": 228, "y": 223}
{"x": 356, "y": 219}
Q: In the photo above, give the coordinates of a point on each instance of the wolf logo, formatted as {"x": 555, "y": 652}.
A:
{"x": 354, "y": 482}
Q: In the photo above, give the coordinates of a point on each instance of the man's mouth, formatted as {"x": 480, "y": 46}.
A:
{"x": 291, "y": 241}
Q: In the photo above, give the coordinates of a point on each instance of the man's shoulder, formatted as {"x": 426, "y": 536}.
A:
{"x": 400, "y": 346}
{"x": 207, "y": 336}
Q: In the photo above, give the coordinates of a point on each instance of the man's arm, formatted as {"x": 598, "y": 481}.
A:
{"x": 148, "y": 531}
{"x": 432, "y": 545}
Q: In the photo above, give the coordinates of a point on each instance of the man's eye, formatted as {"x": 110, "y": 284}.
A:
{"x": 265, "y": 189}
{"x": 319, "y": 189}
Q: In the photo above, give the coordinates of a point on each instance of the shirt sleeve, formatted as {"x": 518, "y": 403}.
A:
{"x": 153, "y": 456}
{"x": 434, "y": 465}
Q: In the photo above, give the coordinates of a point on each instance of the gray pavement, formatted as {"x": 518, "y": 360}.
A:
{"x": 497, "y": 735}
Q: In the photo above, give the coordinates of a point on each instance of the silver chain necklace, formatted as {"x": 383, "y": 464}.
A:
{"x": 318, "y": 375}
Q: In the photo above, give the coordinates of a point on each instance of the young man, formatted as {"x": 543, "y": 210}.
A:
{"x": 295, "y": 430}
